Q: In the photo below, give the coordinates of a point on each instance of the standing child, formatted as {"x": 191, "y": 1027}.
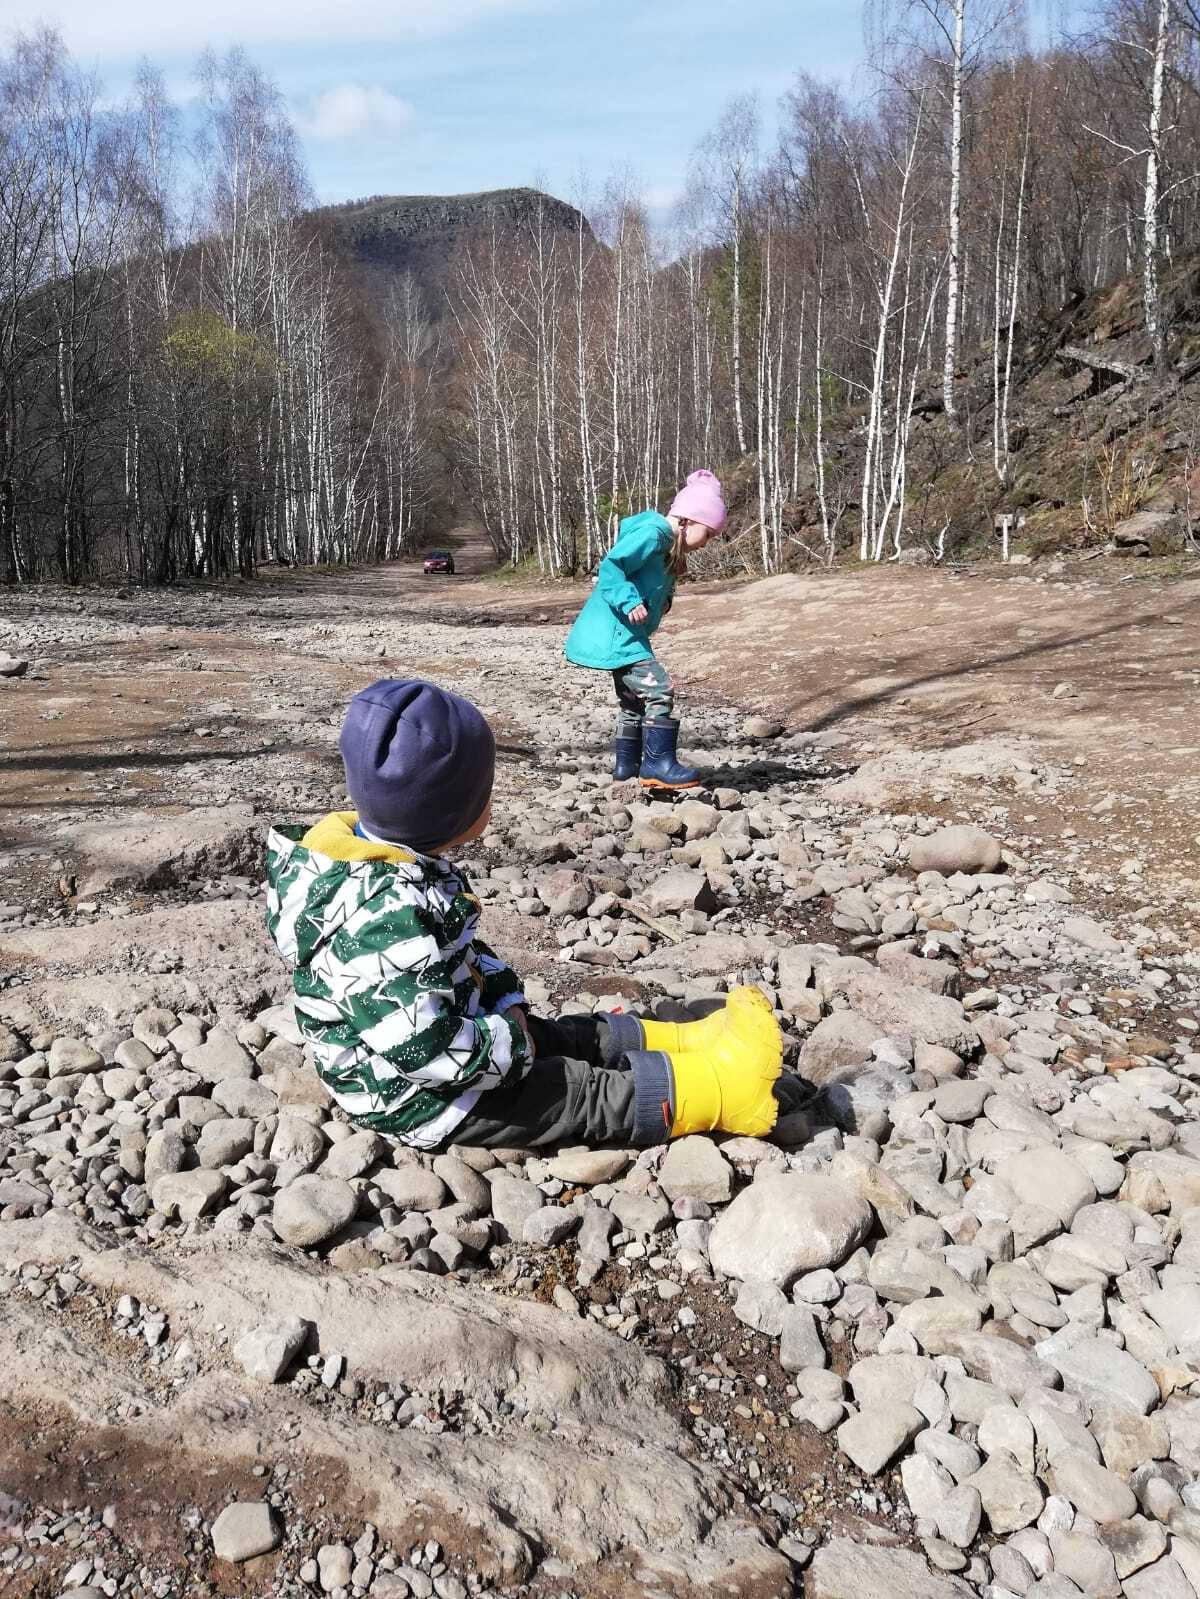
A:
{"x": 418, "y": 1029}
{"x": 633, "y": 593}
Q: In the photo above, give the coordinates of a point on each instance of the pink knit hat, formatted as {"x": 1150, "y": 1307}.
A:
{"x": 699, "y": 500}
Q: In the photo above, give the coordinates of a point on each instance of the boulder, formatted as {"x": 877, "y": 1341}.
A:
{"x": 242, "y": 1531}
{"x": 787, "y": 1224}
{"x": 312, "y": 1210}
{"x": 411, "y": 1187}
{"x": 1050, "y": 1178}
{"x": 149, "y": 851}
{"x": 266, "y": 1351}
{"x": 955, "y": 849}
{"x": 680, "y": 889}
{"x": 900, "y": 1011}
{"x": 1102, "y": 1374}
{"x": 513, "y": 1201}
{"x": 837, "y": 1047}
{"x": 844, "y": 1569}
{"x": 694, "y": 1168}
{"x": 189, "y": 1194}
{"x": 874, "y": 1437}
{"x": 586, "y": 1167}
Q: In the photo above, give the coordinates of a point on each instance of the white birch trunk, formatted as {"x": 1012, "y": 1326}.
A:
{"x": 953, "y": 286}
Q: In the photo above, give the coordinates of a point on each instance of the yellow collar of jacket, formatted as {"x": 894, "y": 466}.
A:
{"x": 334, "y": 836}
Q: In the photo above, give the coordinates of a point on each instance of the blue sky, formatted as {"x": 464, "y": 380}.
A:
{"x": 442, "y": 96}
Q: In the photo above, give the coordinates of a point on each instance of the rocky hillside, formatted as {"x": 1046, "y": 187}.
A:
{"x": 419, "y": 234}
{"x": 1103, "y": 453}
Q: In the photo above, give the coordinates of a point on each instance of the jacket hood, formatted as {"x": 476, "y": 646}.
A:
{"x": 319, "y": 877}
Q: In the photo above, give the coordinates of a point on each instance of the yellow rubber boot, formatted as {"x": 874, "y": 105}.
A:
{"x": 725, "y": 1083}
{"x": 691, "y": 1037}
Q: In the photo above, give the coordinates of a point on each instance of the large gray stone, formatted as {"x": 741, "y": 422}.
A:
{"x": 643, "y": 1214}
{"x": 1083, "y": 930}
{"x": 1102, "y": 1374}
{"x": 899, "y": 1011}
{"x": 586, "y": 1167}
{"x": 1127, "y": 1440}
{"x": 1176, "y": 1309}
{"x": 242, "y": 1531}
{"x": 680, "y": 889}
{"x": 165, "y": 1152}
{"x": 219, "y": 1057}
{"x": 353, "y": 1156}
{"x": 694, "y": 1168}
{"x": 1094, "y": 1491}
{"x": 73, "y": 1055}
{"x": 1080, "y": 1557}
{"x": 786, "y": 1224}
{"x": 224, "y": 1140}
{"x": 513, "y": 1201}
{"x": 955, "y": 849}
{"x": 240, "y": 1096}
{"x": 1163, "y": 1580}
{"x": 266, "y": 1351}
{"x": 874, "y": 1437}
{"x": 467, "y": 1186}
{"x": 961, "y": 1100}
{"x": 999, "y": 1361}
{"x": 1049, "y": 1178}
{"x": 148, "y": 850}
{"x": 297, "y": 1143}
{"x": 312, "y": 1210}
{"x": 800, "y": 1345}
{"x": 411, "y": 1187}
{"x": 890, "y": 1379}
{"x": 1011, "y": 1498}
{"x": 837, "y": 1047}
{"x": 189, "y": 1194}
{"x": 847, "y": 1570}
{"x": 550, "y": 1225}
{"x": 763, "y": 1307}
{"x": 959, "y": 1516}
{"x": 903, "y": 963}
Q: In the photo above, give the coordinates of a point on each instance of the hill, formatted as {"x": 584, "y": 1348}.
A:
{"x": 420, "y": 233}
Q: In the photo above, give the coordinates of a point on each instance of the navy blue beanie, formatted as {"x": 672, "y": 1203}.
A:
{"x": 420, "y": 762}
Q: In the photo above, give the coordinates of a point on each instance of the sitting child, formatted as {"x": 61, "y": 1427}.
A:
{"x": 419, "y": 1030}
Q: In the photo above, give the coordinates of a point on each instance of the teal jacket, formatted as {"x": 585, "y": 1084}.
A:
{"x": 634, "y": 572}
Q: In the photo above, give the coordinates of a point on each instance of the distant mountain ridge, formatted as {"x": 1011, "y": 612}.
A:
{"x": 419, "y": 233}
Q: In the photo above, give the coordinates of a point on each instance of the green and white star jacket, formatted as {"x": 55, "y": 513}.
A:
{"x": 403, "y": 1006}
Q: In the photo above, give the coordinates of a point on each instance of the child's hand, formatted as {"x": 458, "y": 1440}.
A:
{"x": 638, "y": 614}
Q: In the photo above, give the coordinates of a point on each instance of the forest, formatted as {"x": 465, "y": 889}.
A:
{"x": 195, "y": 378}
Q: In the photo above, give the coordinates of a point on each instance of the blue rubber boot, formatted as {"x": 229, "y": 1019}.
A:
{"x": 660, "y": 769}
{"x": 628, "y": 748}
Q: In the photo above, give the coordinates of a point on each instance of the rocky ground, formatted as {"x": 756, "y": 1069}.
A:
{"x": 938, "y": 1337}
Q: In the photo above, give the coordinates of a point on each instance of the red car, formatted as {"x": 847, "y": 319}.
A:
{"x": 439, "y": 561}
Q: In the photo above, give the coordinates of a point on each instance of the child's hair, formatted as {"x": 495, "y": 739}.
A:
{"x": 677, "y": 555}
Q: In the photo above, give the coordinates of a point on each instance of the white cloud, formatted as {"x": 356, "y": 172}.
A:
{"x": 350, "y": 110}
{"x": 662, "y": 196}
{"x": 149, "y": 27}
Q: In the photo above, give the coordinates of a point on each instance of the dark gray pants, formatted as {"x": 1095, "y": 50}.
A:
{"x": 591, "y": 1082}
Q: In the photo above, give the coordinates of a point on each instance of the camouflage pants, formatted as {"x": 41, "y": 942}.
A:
{"x": 644, "y": 689}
